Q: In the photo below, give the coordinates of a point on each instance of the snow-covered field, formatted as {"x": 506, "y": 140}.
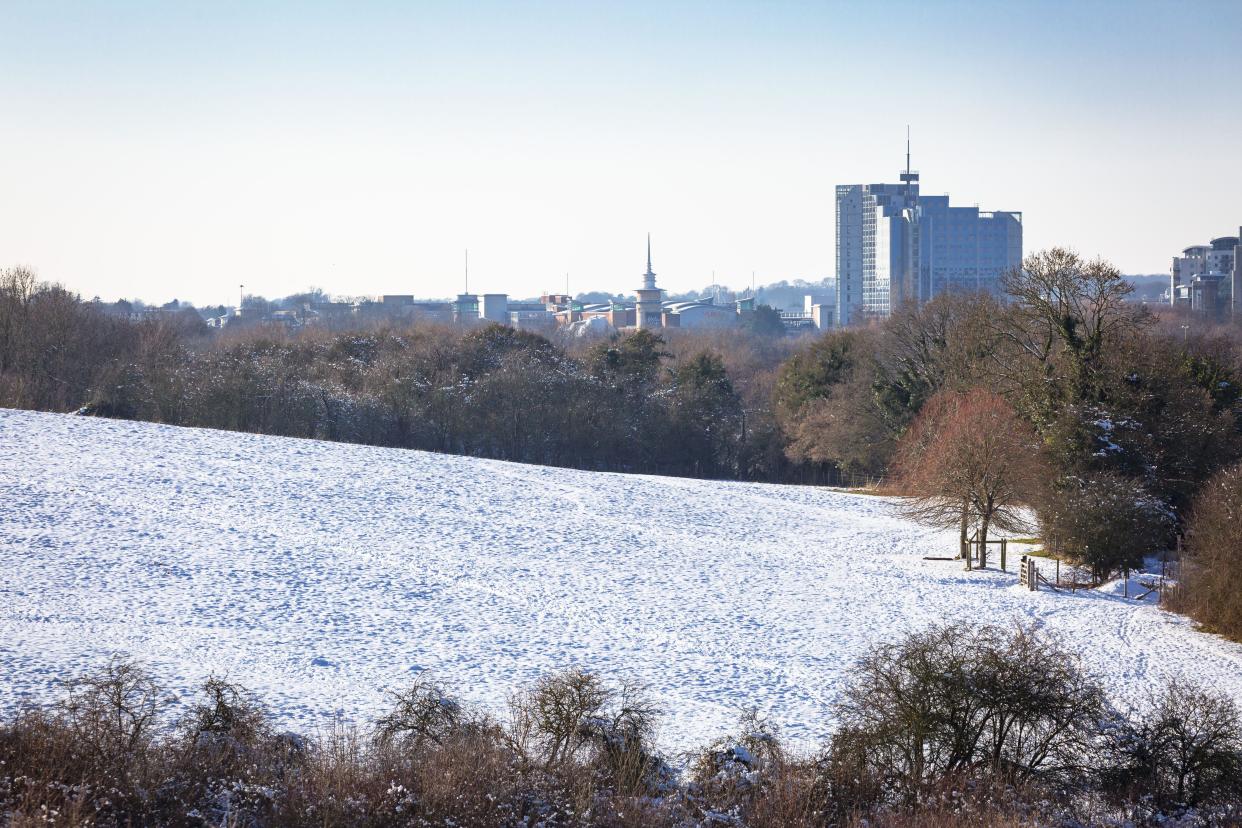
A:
{"x": 322, "y": 575}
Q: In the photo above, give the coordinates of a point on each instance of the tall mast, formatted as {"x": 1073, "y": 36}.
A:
{"x": 907, "y": 176}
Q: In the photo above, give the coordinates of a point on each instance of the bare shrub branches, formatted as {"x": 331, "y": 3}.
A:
{"x": 946, "y": 703}
{"x": 947, "y": 727}
{"x": 424, "y": 712}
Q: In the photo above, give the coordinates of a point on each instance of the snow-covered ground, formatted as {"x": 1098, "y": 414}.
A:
{"x": 323, "y": 575}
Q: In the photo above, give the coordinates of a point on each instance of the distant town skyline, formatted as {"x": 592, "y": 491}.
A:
{"x": 161, "y": 150}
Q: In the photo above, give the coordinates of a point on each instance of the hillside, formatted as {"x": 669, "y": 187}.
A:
{"x": 322, "y": 575}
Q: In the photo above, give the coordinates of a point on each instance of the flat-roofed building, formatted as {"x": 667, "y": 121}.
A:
{"x": 895, "y": 245}
{"x": 1205, "y": 277}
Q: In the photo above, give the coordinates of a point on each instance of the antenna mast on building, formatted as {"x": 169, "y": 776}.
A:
{"x": 467, "y": 290}
{"x": 909, "y": 177}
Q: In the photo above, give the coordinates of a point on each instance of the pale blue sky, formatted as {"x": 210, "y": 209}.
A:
{"x": 176, "y": 149}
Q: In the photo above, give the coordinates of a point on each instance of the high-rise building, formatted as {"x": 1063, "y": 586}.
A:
{"x": 895, "y": 246}
{"x": 1205, "y": 277}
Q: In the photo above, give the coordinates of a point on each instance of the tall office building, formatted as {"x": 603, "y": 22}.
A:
{"x": 896, "y": 246}
{"x": 1206, "y": 277}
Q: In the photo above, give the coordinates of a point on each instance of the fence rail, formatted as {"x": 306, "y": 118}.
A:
{"x": 1035, "y": 571}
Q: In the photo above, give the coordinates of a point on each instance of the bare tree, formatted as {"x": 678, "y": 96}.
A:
{"x": 969, "y": 457}
{"x": 1065, "y": 311}
{"x": 935, "y": 497}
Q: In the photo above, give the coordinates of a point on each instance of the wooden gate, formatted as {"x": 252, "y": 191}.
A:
{"x": 1028, "y": 574}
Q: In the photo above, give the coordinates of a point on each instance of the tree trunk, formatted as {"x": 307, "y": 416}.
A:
{"x": 983, "y": 540}
{"x": 962, "y": 551}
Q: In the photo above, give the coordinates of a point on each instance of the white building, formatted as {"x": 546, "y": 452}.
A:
{"x": 496, "y": 308}
{"x": 821, "y": 310}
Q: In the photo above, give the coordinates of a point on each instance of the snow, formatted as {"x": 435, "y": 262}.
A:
{"x": 323, "y": 576}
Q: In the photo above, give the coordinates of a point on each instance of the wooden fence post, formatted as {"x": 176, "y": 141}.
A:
{"x": 1004, "y": 546}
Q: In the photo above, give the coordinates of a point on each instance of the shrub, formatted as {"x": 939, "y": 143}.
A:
{"x": 946, "y": 728}
{"x": 114, "y": 712}
{"x": 1105, "y": 522}
{"x": 959, "y": 701}
{"x": 575, "y": 718}
{"x": 95, "y": 755}
{"x": 1212, "y": 565}
{"x": 1184, "y": 753}
{"x": 748, "y": 776}
{"x": 424, "y": 713}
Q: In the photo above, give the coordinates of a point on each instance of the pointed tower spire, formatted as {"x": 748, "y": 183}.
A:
{"x": 647, "y": 310}
{"x": 649, "y": 276}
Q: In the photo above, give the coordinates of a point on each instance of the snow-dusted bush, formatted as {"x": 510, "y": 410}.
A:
{"x": 748, "y": 778}
{"x": 576, "y": 718}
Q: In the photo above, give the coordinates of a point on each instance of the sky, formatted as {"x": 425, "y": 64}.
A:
{"x": 179, "y": 150}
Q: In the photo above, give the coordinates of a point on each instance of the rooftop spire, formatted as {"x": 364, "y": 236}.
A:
{"x": 649, "y": 276}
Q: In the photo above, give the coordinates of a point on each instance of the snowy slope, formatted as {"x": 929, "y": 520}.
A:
{"x": 322, "y": 575}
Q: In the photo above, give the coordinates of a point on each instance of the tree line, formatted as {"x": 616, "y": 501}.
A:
{"x": 1111, "y": 428}
{"x": 678, "y": 404}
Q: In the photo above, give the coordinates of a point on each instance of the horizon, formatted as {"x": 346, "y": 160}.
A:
{"x": 157, "y": 153}
{"x": 1142, "y": 282}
